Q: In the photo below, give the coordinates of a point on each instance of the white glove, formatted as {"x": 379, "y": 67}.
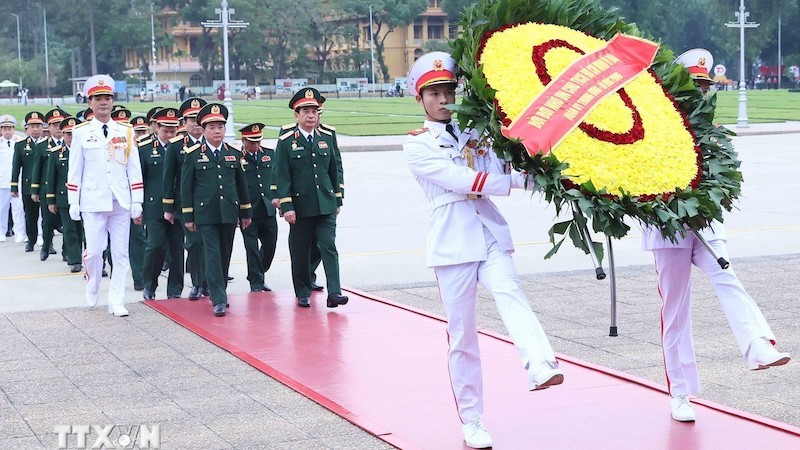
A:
{"x": 522, "y": 180}
{"x": 75, "y": 212}
{"x": 136, "y": 210}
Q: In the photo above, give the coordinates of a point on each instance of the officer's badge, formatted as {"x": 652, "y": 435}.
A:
{"x": 323, "y": 144}
{"x": 214, "y": 109}
{"x": 195, "y": 103}
{"x": 309, "y": 94}
{"x": 243, "y": 161}
{"x": 266, "y": 158}
{"x": 230, "y": 158}
{"x": 155, "y": 152}
{"x": 294, "y": 145}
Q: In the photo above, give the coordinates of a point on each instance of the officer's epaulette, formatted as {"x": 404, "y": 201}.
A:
{"x": 188, "y": 150}
{"x": 144, "y": 142}
{"x": 82, "y": 124}
{"x": 286, "y": 135}
{"x": 324, "y": 131}
{"x": 177, "y": 138}
{"x": 55, "y": 149}
{"x": 233, "y": 148}
{"x": 125, "y": 124}
{"x": 288, "y": 126}
{"x": 325, "y": 126}
{"x": 418, "y": 131}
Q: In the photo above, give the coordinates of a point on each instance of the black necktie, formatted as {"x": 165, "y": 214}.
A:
{"x": 311, "y": 139}
{"x": 451, "y": 130}
{"x": 9, "y": 143}
{"x": 105, "y": 130}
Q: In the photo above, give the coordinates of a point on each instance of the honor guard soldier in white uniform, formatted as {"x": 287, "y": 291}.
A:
{"x": 104, "y": 185}
{"x": 7, "y": 141}
{"x": 674, "y": 267}
{"x": 469, "y": 241}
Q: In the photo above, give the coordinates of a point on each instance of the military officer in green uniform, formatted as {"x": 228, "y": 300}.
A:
{"x": 53, "y": 119}
{"x": 307, "y": 181}
{"x": 57, "y": 201}
{"x": 316, "y": 257}
{"x": 257, "y": 162}
{"x": 137, "y": 240}
{"x": 176, "y": 152}
{"x": 215, "y": 198}
{"x": 163, "y": 237}
{"x": 24, "y": 159}
{"x": 140, "y": 127}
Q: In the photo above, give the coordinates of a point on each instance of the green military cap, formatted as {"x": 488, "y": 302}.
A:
{"x": 151, "y": 113}
{"x": 191, "y": 106}
{"x": 307, "y": 96}
{"x": 86, "y": 115}
{"x": 55, "y": 116}
{"x": 139, "y": 123}
{"x": 253, "y": 132}
{"x": 212, "y": 112}
{"x": 33, "y": 117}
{"x": 167, "y": 116}
{"x": 68, "y": 124}
{"x": 121, "y": 114}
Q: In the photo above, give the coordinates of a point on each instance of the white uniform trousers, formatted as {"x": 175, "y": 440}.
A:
{"x": 458, "y": 287}
{"x": 674, "y": 267}
{"x": 98, "y": 226}
{"x": 15, "y": 204}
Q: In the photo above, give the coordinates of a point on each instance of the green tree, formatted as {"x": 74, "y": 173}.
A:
{"x": 386, "y": 15}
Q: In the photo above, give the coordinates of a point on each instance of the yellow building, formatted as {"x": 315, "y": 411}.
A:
{"x": 178, "y": 60}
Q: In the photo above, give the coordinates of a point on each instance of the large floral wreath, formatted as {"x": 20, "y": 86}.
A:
{"x": 649, "y": 151}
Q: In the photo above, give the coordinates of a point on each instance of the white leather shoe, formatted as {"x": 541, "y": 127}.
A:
{"x": 543, "y": 374}
{"x": 92, "y": 301}
{"x": 117, "y": 310}
{"x": 682, "y": 409}
{"x": 20, "y": 238}
{"x": 2, "y": 237}
{"x": 475, "y": 435}
{"x": 762, "y": 355}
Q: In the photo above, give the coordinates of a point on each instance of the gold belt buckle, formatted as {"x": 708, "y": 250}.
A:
{"x": 473, "y": 197}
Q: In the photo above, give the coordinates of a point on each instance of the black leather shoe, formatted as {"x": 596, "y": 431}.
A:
{"x": 9, "y": 233}
{"x": 205, "y": 292}
{"x": 256, "y": 289}
{"x": 266, "y": 288}
{"x": 316, "y": 287}
{"x": 335, "y": 300}
{"x": 304, "y": 302}
{"x": 43, "y": 254}
{"x": 75, "y": 268}
{"x": 64, "y": 258}
{"x": 194, "y": 294}
{"x": 148, "y": 295}
{"x": 105, "y": 273}
{"x": 29, "y": 247}
{"x": 230, "y": 278}
{"x": 173, "y": 295}
{"x": 220, "y": 310}
{"x": 52, "y": 251}
{"x": 165, "y": 266}
{"x": 138, "y": 287}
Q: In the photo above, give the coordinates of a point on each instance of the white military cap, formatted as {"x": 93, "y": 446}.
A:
{"x": 98, "y": 85}
{"x": 7, "y": 119}
{"x": 698, "y": 62}
{"x": 431, "y": 68}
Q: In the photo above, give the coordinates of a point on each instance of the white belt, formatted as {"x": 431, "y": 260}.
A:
{"x": 447, "y": 198}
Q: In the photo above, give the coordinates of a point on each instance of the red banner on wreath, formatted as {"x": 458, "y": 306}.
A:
{"x": 571, "y": 96}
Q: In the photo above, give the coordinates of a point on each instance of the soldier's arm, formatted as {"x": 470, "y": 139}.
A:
{"x": 37, "y": 172}
{"x": 283, "y": 177}
{"x": 333, "y": 173}
{"x": 245, "y": 207}
{"x": 50, "y": 190}
{"x": 187, "y": 187}
{"x": 16, "y": 168}
{"x": 170, "y": 163}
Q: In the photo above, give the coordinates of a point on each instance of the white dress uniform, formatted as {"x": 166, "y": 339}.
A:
{"x": 469, "y": 242}
{"x": 105, "y": 179}
{"x": 674, "y": 266}
{"x": 6, "y": 200}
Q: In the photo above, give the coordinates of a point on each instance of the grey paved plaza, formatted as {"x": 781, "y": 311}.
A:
{"x": 65, "y": 364}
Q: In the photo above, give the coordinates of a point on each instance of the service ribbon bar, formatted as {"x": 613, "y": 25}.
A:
{"x": 571, "y": 96}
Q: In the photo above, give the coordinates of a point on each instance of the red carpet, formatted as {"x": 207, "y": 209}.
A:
{"x": 382, "y": 366}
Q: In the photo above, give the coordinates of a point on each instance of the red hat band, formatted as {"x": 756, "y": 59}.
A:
{"x": 435, "y": 76}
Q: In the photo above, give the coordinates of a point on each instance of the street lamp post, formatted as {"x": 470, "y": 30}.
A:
{"x": 371, "y": 49}
{"x": 225, "y": 22}
{"x": 19, "y": 51}
{"x": 742, "y": 121}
